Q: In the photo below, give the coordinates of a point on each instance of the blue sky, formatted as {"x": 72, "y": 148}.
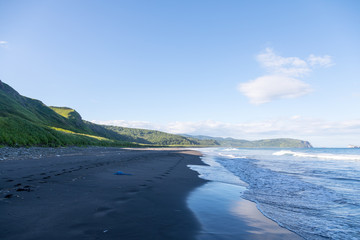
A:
{"x": 245, "y": 69}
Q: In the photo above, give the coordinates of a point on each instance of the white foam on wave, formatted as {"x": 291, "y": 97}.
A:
{"x": 230, "y": 149}
{"x": 318, "y": 155}
{"x": 295, "y": 188}
{"x": 230, "y": 155}
{"x": 216, "y": 172}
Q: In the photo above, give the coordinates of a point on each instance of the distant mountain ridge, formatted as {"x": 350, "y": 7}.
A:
{"x": 29, "y": 122}
{"x": 264, "y": 143}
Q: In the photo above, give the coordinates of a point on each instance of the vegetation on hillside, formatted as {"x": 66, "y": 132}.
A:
{"x": 15, "y": 132}
{"x": 159, "y": 138}
{"x": 64, "y": 111}
{"x": 29, "y": 122}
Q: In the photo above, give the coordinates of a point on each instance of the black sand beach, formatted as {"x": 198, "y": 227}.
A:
{"x": 77, "y": 196}
{"x": 74, "y": 194}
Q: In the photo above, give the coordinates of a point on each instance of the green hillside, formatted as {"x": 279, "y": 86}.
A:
{"x": 66, "y": 112}
{"x": 29, "y": 122}
{"x": 159, "y": 138}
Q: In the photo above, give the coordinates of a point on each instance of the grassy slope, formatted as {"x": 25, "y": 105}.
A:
{"x": 27, "y": 122}
{"x": 159, "y": 138}
{"x": 63, "y": 111}
{"x": 15, "y": 131}
{"x": 141, "y": 136}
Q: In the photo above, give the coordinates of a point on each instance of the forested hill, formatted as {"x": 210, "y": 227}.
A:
{"x": 29, "y": 122}
{"x": 265, "y": 143}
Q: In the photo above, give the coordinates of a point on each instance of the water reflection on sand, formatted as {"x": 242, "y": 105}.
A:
{"x": 223, "y": 214}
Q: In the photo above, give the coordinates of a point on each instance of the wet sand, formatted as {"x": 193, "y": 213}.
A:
{"x": 232, "y": 217}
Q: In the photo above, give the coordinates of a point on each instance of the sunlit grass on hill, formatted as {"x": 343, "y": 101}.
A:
{"x": 80, "y": 134}
{"x": 63, "y": 111}
{"x": 15, "y": 131}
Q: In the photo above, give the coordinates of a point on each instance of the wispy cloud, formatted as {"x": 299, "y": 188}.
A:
{"x": 324, "y": 61}
{"x": 287, "y": 66}
{"x": 281, "y": 80}
{"x": 3, "y": 43}
{"x": 317, "y": 131}
{"x": 130, "y": 124}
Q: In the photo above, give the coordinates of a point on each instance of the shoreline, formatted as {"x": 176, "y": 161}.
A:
{"x": 72, "y": 193}
{"x": 240, "y": 217}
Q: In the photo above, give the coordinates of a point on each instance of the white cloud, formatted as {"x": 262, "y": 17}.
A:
{"x": 317, "y": 131}
{"x": 324, "y": 61}
{"x": 290, "y": 66}
{"x": 130, "y": 124}
{"x": 267, "y": 88}
{"x": 4, "y": 44}
{"x": 282, "y": 78}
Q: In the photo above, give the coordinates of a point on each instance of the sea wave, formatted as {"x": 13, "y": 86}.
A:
{"x": 230, "y": 155}
{"x": 216, "y": 172}
{"x": 229, "y": 149}
{"x": 313, "y": 192}
{"x": 318, "y": 155}
{"x": 307, "y": 208}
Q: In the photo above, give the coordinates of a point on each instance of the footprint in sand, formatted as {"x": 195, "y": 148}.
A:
{"x": 26, "y": 188}
{"x": 121, "y": 200}
{"x": 29, "y": 176}
{"x": 103, "y": 211}
{"x": 8, "y": 196}
{"x": 144, "y": 186}
{"x": 132, "y": 191}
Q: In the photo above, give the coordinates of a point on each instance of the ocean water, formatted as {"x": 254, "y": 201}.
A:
{"x": 312, "y": 192}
